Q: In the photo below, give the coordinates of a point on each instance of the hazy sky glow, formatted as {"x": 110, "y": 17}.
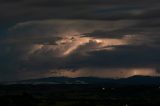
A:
{"x": 79, "y": 38}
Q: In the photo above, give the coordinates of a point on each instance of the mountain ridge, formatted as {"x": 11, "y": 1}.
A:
{"x": 133, "y": 80}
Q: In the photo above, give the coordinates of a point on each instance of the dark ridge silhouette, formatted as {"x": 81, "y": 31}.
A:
{"x": 134, "y": 80}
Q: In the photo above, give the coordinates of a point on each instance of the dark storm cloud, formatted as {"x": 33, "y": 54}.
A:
{"x": 25, "y": 38}
{"x": 138, "y": 19}
{"x": 25, "y": 10}
{"x": 48, "y": 31}
{"x": 149, "y": 32}
{"x": 147, "y": 27}
{"x": 122, "y": 57}
{"x": 144, "y": 54}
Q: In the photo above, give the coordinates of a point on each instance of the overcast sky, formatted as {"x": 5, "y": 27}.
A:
{"x": 79, "y": 38}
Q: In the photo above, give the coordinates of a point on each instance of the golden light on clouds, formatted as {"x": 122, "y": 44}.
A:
{"x": 106, "y": 73}
{"x": 69, "y": 44}
{"x": 35, "y": 48}
{"x": 97, "y": 48}
{"x": 145, "y": 71}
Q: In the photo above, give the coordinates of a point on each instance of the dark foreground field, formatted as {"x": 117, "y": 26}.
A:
{"x": 78, "y": 95}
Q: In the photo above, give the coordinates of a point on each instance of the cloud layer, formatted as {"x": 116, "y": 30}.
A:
{"x": 107, "y": 38}
{"x": 24, "y": 10}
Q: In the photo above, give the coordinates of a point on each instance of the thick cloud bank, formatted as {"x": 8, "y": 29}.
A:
{"x": 103, "y": 38}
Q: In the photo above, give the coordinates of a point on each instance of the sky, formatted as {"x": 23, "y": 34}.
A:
{"x": 79, "y": 38}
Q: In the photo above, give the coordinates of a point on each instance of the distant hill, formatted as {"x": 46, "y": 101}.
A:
{"x": 134, "y": 80}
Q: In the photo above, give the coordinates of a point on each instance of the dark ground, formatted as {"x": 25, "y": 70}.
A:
{"x": 79, "y": 95}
